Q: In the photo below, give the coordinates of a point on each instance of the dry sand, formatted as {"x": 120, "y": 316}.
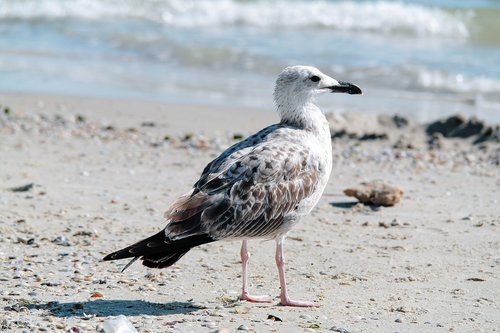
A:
{"x": 104, "y": 171}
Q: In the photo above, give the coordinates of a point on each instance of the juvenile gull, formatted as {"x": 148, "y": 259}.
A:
{"x": 259, "y": 187}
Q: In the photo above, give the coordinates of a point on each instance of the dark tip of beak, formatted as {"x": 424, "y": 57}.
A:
{"x": 346, "y": 87}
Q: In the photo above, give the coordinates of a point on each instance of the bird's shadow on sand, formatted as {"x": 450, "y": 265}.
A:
{"x": 105, "y": 308}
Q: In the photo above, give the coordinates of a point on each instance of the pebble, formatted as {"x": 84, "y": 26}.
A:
{"x": 305, "y": 316}
{"x": 61, "y": 240}
{"x": 211, "y": 324}
{"x": 22, "y": 188}
{"x": 242, "y": 328}
{"x": 339, "y": 329}
{"x": 398, "y": 320}
{"x": 119, "y": 324}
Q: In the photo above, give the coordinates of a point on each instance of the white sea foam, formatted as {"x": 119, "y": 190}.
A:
{"x": 458, "y": 83}
{"x": 421, "y": 78}
{"x": 382, "y": 16}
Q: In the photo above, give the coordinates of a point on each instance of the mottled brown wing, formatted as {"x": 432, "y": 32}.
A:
{"x": 251, "y": 197}
{"x": 235, "y": 152}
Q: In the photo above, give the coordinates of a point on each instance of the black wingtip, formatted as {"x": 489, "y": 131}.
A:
{"x": 129, "y": 263}
{"x": 116, "y": 255}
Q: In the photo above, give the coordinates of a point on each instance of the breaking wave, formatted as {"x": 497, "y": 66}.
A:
{"x": 382, "y": 16}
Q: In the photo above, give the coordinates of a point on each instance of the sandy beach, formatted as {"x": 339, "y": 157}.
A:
{"x": 103, "y": 172}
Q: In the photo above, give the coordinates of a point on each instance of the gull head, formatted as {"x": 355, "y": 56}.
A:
{"x": 297, "y": 86}
{"x": 305, "y": 82}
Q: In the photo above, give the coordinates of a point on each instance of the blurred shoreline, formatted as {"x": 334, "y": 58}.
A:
{"x": 419, "y": 58}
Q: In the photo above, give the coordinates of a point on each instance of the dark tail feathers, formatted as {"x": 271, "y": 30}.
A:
{"x": 158, "y": 251}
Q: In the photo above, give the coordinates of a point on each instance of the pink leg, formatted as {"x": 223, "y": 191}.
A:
{"x": 245, "y": 296}
{"x": 280, "y": 262}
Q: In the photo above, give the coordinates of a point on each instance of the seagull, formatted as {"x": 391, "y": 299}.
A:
{"x": 258, "y": 188}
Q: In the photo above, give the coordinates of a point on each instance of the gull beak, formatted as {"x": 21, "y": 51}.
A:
{"x": 345, "y": 87}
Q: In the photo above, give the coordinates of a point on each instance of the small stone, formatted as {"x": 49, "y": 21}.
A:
{"x": 339, "y": 329}
{"x": 86, "y": 233}
{"x": 274, "y": 318}
{"x": 476, "y": 279}
{"x": 118, "y": 324}
{"x": 211, "y": 324}
{"x": 242, "y": 310}
{"x": 242, "y": 328}
{"x": 22, "y": 240}
{"x": 401, "y": 309}
{"x": 96, "y": 295}
{"x": 22, "y": 188}
{"x": 61, "y": 240}
{"x": 398, "y": 320}
{"x": 314, "y": 326}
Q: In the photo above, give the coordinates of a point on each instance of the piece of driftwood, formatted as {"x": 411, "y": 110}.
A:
{"x": 376, "y": 193}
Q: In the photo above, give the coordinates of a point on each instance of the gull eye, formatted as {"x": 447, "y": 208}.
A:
{"x": 315, "y": 78}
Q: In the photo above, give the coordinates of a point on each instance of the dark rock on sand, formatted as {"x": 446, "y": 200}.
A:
{"x": 458, "y": 126}
{"x": 22, "y": 188}
{"x": 365, "y": 127}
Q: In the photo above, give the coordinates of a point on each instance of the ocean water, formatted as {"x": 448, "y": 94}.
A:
{"x": 421, "y": 58}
